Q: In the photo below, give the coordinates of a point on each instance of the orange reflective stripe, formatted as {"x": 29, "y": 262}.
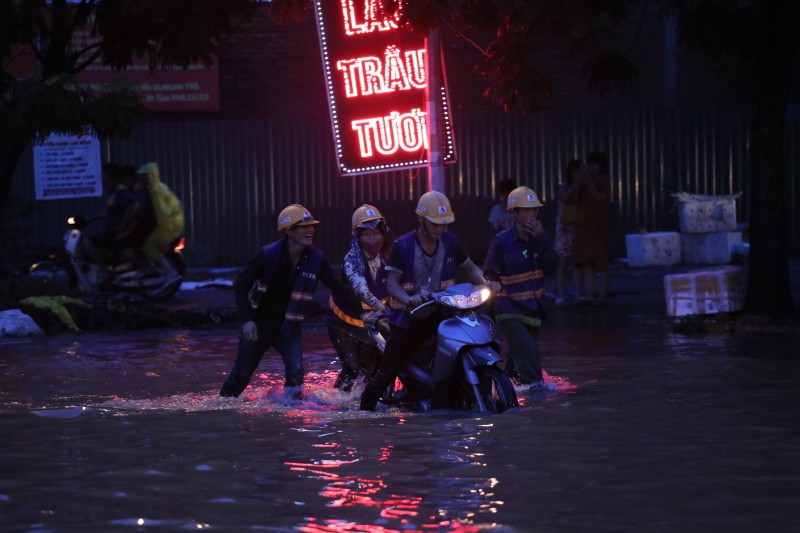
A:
{"x": 302, "y": 296}
{"x": 344, "y": 317}
{"x": 527, "y": 295}
{"x": 521, "y": 278}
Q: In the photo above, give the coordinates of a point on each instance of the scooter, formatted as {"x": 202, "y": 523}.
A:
{"x": 86, "y": 275}
{"x": 464, "y": 371}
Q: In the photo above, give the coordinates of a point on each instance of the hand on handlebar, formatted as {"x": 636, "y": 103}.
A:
{"x": 494, "y": 286}
{"x": 418, "y": 299}
{"x": 370, "y": 317}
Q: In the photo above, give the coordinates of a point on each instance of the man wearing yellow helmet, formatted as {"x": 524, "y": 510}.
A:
{"x": 273, "y": 294}
{"x": 420, "y": 262}
{"x": 364, "y": 271}
{"x": 516, "y": 258}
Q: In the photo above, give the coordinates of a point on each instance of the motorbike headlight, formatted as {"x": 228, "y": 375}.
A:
{"x": 467, "y": 301}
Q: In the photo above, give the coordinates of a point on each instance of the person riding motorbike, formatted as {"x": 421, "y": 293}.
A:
{"x": 420, "y": 262}
{"x": 120, "y": 219}
{"x": 364, "y": 271}
{"x": 168, "y": 211}
{"x": 143, "y": 224}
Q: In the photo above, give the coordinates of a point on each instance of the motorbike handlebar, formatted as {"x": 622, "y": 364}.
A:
{"x": 423, "y": 305}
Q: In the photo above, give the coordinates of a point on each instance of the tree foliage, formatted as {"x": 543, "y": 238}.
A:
{"x": 509, "y": 34}
{"x": 170, "y": 33}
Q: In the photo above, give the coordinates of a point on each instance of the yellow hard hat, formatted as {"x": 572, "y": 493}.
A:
{"x": 435, "y": 207}
{"x": 366, "y": 214}
{"x": 523, "y": 197}
{"x": 295, "y": 214}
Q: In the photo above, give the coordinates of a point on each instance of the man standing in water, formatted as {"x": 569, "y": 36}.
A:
{"x": 516, "y": 258}
{"x": 273, "y": 295}
{"x": 420, "y": 262}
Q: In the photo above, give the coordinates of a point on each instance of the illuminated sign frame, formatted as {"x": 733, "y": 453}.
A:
{"x": 376, "y": 80}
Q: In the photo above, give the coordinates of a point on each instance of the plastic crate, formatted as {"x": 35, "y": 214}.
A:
{"x": 706, "y": 214}
{"x": 653, "y": 249}
{"x": 705, "y": 292}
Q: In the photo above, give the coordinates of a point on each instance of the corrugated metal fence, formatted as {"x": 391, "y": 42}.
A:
{"x": 234, "y": 176}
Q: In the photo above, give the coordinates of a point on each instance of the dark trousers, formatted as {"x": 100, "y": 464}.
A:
{"x": 356, "y": 356}
{"x": 523, "y": 349}
{"x": 402, "y": 344}
{"x": 249, "y": 355}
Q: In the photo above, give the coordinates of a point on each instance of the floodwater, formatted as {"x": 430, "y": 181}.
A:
{"x": 640, "y": 429}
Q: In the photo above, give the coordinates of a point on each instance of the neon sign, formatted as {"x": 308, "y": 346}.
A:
{"x": 376, "y": 76}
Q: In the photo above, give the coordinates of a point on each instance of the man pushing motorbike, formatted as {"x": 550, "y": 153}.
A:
{"x": 420, "y": 262}
{"x": 364, "y": 270}
{"x": 273, "y": 296}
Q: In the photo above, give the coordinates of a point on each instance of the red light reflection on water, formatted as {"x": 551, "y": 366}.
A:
{"x": 351, "y": 491}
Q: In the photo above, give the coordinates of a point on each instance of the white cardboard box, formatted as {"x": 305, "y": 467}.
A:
{"x": 709, "y": 248}
{"x": 705, "y": 214}
{"x": 653, "y": 249}
{"x": 705, "y": 292}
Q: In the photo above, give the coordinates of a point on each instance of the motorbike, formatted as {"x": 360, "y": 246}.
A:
{"x": 86, "y": 275}
{"x": 464, "y": 371}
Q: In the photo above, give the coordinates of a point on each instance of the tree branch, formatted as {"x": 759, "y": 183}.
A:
{"x": 463, "y": 36}
{"x": 91, "y": 59}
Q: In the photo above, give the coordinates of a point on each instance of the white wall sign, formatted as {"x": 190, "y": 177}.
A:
{"x": 68, "y": 166}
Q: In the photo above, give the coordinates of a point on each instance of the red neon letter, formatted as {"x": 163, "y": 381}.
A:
{"x": 394, "y": 132}
{"x": 368, "y": 75}
{"x": 373, "y": 18}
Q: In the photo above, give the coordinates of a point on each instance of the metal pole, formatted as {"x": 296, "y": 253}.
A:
{"x": 433, "y": 103}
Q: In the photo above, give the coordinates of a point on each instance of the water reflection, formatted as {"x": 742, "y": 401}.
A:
{"x": 639, "y": 429}
{"x": 383, "y": 502}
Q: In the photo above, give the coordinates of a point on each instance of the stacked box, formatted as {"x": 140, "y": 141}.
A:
{"x": 709, "y": 248}
{"x": 706, "y": 214}
{"x": 705, "y": 292}
{"x": 653, "y": 249}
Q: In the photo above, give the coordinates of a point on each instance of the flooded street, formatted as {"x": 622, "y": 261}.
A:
{"x": 640, "y": 429}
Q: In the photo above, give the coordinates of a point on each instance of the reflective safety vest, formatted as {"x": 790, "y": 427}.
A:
{"x": 408, "y": 244}
{"x": 349, "y": 315}
{"x": 305, "y": 283}
{"x": 522, "y": 277}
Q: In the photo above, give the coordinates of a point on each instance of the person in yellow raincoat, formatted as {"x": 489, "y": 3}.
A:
{"x": 168, "y": 210}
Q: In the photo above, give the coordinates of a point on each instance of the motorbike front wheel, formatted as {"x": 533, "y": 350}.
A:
{"x": 496, "y": 389}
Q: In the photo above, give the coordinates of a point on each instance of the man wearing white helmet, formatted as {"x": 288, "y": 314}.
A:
{"x": 364, "y": 271}
{"x": 517, "y": 258}
{"x": 273, "y": 295}
{"x": 420, "y": 262}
